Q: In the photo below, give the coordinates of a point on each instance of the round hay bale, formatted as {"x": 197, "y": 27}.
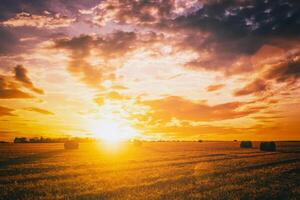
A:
{"x": 267, "y": 146}
{"x": 71, "y": 145}
{"x": 246, "y": 144}
{"x": 200, "y": 140}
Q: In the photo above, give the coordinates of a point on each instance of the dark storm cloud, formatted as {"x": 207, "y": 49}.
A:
{"x": 224, "y": 33}
{"x": 113, "y": 46}
{"x": 80, "y": 49}
{"x": 226, "y": 19}
{"x": 228, "y": 31}
{"x": 240, "y": 28}
{"x": 233, "y": 19}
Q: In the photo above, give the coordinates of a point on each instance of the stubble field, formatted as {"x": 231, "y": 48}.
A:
{"x": 154, "y": 170}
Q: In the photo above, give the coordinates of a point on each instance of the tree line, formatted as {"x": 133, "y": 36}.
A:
{"x": 49, "y": 140}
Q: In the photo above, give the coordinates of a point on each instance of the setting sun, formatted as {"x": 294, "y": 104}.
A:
{"x": 110, "y": 124}
{"x": 112, "y": 131}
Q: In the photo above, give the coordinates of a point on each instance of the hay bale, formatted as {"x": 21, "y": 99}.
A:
{"x": 71, "y": 145}
{"x": 267, "y": 146}
{"x": 200, "y": 140}
{"x": 246, "y": 144}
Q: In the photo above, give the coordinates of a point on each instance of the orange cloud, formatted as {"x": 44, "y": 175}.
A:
{"x": 39, "y": 110}
{"x": 10, "y": 86}
{"x": 184, "y": 109}
{"x": 9, "y": 89}
{"x": 284, "y": 71}
{"x": 114, "y": 46}
{"x": 165, "y": 49}
{"x": 118, "y": 87}
{"x": 255, "y": 87}
{"x": 195, "y": 132}
{"x": 212, "y": 88}
{"x": 99, "y": 100}
{"x": 21, "y": 75}
{"x": 136, "y": 12}
{"x": 95, "y": 59}
{"x": 48, "y": 21}
{"x": 4, "y": 111}
{"x": 111, "y": 96}
{"x": 12, "y": 93}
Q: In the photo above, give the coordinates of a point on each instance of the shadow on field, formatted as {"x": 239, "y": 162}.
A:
{"x": 27, "y": 171}
{"x": 242, "y": 181}
{"x": 255, "y": 166}
{"x": 28, "y": 159}
{"x": 178, "y": 182}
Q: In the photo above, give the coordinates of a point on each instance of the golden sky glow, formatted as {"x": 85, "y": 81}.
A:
{"x": 158, "y": 70}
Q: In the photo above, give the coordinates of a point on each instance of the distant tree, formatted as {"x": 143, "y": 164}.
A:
{"x": 20, "y": 140}
{"x": 50, "y": 140}
{"x": 34, "y": 140}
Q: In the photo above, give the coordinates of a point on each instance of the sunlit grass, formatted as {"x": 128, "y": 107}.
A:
{"x": 170, "y": 170}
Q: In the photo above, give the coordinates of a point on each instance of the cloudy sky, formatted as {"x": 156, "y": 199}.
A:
{"x": 157, "y": 69}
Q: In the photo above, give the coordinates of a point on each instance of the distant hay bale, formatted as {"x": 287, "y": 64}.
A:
{"x": 235, "y": 140}
{"x": 71, "y": 145}
{"x": 246, "y": 144}
{"x": 200, "y": 140}
{"x": 267, "y": 146}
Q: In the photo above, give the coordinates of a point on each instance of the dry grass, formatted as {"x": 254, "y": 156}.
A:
{"x": 178, "y": 170}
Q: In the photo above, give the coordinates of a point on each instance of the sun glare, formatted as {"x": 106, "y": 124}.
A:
{"x": 113, "y": 131}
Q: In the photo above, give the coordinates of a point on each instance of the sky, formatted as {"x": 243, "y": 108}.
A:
{"x": 158, "y": 70}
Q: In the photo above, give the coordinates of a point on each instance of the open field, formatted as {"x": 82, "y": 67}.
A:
{"x": 157, "y": 170}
